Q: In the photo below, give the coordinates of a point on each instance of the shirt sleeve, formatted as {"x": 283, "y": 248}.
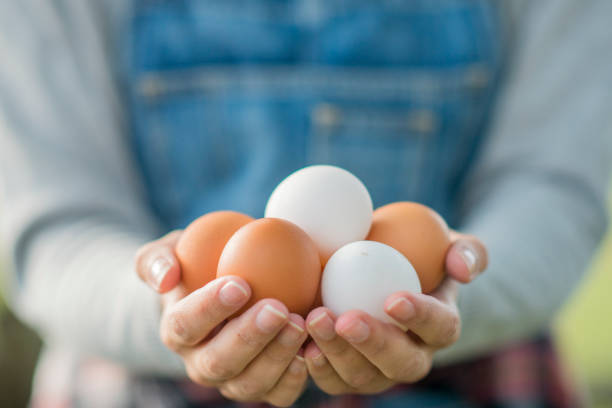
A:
{"x": 73, "y": 212}
{"x": 537, "y": 196}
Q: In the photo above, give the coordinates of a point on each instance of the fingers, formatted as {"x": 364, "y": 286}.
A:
{"x": 385, "y": 346}
{"x": 329, "y": 381}
{"x": 447, "y": 292}
{"x": 323, "y": 374}
{"x": 466, "y": 258}
{"x": 291, "y": 384}
{"x": 435, "y": 322}
{"x": 157, "y": 265}
{"x": 352, "y": 367}
{"x": 188, "y": 321}
{"x": 238, "y": 343}
{"x": 262, "y": 374}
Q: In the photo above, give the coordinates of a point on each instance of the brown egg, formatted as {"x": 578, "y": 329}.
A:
{"x": 318, "y": 302}
{"x": 277, "y": 259}
{"x": 200, "y": 246}
{"x": 419, "y": 233}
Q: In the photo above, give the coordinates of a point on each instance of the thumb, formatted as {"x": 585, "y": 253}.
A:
{"x": 466, "y": 258}
{"x": 156, "y": 263}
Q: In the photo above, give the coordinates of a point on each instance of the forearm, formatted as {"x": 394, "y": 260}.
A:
{"x": 73, "y": 207}
{"x": 81, "y": 291}
{"x": 537, "y": 196}
{"x": 540, "y": 236}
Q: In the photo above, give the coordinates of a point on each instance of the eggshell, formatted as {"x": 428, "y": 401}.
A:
{"x": 329, "y": 203}
{"x": 200, "y": 246}
{"x": 362, "y": 274}
{"x": 277, "y": 259}
{"x": 419, "y": 233}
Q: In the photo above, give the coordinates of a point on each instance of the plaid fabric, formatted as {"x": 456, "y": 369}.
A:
{"x": 523, "y": 375}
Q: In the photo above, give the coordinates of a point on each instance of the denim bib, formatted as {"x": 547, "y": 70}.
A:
{"x": 230, "y": 96}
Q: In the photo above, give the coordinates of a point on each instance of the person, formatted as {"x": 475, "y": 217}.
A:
{"x": 123, "y": 121}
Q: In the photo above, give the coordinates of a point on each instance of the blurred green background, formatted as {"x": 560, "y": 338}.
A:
{"x": 584, "y": 328}
{"x": 18, "y": 350}
{"x": 584, "y": 332}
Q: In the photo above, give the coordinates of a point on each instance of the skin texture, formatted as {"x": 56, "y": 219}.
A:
{"x": 251, "y": 358}
{"x": 357, "y": 354}
{"x": 263, "y": 355}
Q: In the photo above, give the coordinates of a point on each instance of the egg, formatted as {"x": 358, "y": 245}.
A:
{"x": 277, "y": 259}
{"x": 201, "y": 243}
{"x": 419, "y": 233}
{"x": 329, "y": 203}
{"x": 362, "y": 274}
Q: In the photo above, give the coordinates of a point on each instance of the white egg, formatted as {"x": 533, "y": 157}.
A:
{"x": 361, "y": 275}
{"x": 329, "y": 203}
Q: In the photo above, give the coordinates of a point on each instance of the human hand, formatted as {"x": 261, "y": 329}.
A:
{"x": 253, "y": 357}
{"x": 357, "y": 354}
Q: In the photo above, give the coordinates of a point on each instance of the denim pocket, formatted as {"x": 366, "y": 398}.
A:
{"x": 392, "y": 91}
{"x": 221, "y": 137}
{"x": 200, "y": 142}
{"x": 403, "y": 132}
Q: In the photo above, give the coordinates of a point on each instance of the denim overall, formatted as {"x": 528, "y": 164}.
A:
{"x": 228, "y": 97}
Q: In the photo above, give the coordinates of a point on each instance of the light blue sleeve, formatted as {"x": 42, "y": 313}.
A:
{"x": 72, "y": 208}
{"x": 537, "y": 197}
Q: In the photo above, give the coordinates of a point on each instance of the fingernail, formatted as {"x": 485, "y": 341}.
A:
{"x": 401, "y": 309}
{"x": 291, "y": 334}
{"x": 158, "y": 271}
{"x": 357, "y": 331}
{"x": 323, "y": 327}
{"x": 232, "y": 294}
{"x": 469, "y": 257}
{"x": 297, "y": 365}
{"x": 269, "y": 319}
{"x": 319, "y": 360}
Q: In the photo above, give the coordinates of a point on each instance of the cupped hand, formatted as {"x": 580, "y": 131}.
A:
{"x": 358, "y": 354}
{"x": 253, "y": 357}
